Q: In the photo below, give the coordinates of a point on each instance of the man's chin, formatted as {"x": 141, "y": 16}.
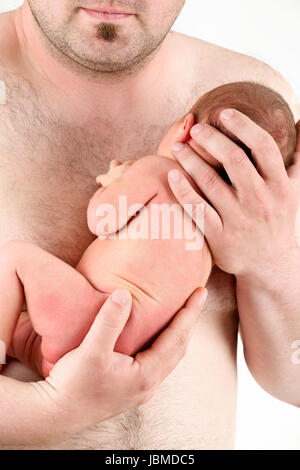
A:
{"x": 101, "y": 65}
{"x": 97, "y": 54}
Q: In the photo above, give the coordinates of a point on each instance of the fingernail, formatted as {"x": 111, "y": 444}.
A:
{"x": 174, "y": 175}
{"x": 227, "y": 114}
{"x": 120, "y": 297}
{"x": 177, "y": 147}
{"x": 197, "y": 129}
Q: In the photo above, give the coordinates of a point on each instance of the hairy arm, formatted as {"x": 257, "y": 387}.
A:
{"x": 269, "y": 298}
{"x": 269, "y": 305}
{"x": 251, "y": 233}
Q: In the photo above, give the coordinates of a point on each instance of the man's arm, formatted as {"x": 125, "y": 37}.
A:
{"x": 269, "y": 310}
{"x": 251, "y": 233}
{"x": 269, "y": 307}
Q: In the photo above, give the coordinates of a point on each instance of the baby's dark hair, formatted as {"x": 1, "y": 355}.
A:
{"x": 267, "y": 108}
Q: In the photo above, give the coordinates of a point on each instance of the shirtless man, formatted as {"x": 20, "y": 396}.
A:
{"x": 70, "y": 79}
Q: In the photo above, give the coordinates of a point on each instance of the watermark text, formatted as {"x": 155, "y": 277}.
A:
{"x": 152, "y": 222}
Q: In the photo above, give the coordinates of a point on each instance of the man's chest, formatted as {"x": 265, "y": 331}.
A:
{"x": 48, "y": 169}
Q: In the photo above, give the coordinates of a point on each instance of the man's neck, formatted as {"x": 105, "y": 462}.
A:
{"x": 47, "y": 64}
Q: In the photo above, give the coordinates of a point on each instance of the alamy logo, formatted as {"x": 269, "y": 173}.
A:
{"x": 2, "y": 92}
{"x": 156, "y": 222}
{"x": 2, "y": 353}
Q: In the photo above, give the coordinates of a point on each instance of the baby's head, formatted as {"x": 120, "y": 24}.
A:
{"x": 261, "y": 104}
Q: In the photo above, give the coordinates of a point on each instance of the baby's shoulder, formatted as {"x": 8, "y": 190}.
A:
{"x": 154, "y": 164}
{"x": 152, "y": 169}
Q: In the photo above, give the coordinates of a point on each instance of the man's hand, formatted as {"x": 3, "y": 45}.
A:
{"x": 93, "y": 383}
{"x": 248, "y": 225}
{"x": 250, "y": 228}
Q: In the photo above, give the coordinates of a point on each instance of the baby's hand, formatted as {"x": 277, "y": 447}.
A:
{"x": 116, "y": 170}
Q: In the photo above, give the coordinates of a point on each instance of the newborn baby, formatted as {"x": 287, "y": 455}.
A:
{"x": 160, "y": 272}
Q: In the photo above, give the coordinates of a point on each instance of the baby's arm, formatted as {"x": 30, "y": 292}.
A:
{"x": 116, "y": 170}
{"x": 139, "y": 184}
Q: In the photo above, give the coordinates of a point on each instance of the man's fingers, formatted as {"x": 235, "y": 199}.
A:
{"x": 186, "y": 195}
{"x": 206, "y": 178}
{"x": 264, "y": 149}
{"x": 162, "y": 357}
{"x": 109, "y": 322}
{"x": 241, "y": 171}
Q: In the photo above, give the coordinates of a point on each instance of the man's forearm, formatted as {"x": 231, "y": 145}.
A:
{"x": 28, "y": 419}
{"x": 269, "y": 309}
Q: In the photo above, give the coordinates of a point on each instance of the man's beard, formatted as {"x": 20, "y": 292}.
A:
{"x": 85, "y": 54}
{"x": 108, "y": 32}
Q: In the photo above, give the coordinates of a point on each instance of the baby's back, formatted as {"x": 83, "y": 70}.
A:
{"x": 159, "y": 255}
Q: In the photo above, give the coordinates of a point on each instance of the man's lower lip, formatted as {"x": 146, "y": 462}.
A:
{"x": 106, "y": 16}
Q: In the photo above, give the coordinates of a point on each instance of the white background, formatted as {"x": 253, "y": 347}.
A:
{"x": 269, "y": 30}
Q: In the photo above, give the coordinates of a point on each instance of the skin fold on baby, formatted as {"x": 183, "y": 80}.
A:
{"x": 161, "y": 273}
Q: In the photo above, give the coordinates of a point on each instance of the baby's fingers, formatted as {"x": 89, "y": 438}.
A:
{"x": 114, "y": 163}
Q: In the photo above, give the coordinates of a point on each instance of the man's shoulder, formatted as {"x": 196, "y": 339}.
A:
{"x": 228, "y": 66}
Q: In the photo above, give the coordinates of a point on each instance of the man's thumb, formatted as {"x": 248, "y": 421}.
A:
{"x": 110, "y": 322}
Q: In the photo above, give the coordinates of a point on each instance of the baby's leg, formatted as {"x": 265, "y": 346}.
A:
{"x": 61, "y": 303}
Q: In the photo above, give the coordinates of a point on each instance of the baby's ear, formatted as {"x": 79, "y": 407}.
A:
{"x": 184, "y": 133}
